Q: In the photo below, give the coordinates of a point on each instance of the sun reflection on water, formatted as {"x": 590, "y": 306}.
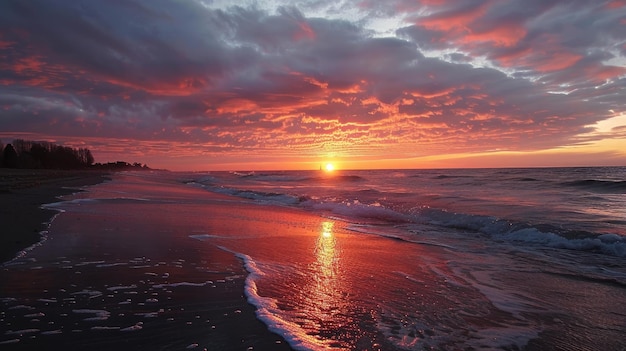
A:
{"x": 324, "y": 287}
{"x": 325, "y": 307}
{"x": 325, "y": 253}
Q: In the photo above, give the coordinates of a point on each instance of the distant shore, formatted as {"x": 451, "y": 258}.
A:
{"x": 22, "y": 192}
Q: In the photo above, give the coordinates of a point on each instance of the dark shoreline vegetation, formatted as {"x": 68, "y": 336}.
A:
{"x": 26, "y": 154}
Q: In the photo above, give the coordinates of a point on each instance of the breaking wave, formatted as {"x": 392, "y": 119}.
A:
{"x": 499, "y": 229}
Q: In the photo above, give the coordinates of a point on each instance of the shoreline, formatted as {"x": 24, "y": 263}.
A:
{"x": 23, "y": 192}
{"x": 123, "y": 279}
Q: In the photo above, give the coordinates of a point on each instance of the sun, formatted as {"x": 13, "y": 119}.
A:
{"x": 329, "y": 167}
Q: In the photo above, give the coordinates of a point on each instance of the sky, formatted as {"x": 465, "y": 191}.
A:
{"x": 206, "y": 85}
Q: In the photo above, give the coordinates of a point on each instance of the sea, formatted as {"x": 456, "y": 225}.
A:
{"x": 511, "y": 259}
{"x": 570, "y": 208}
{"x": 435, "y": 259}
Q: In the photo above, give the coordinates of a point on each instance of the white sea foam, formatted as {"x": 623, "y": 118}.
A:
{"x": 122, "y": 287}
{"x": 47, "y": 300}
{"x": 104, "y": 265}
{"x": 269, "y": 313}
{"x": 159, "y": 286}
{"x": 259, "y": 197}
{"x": 136, "y": 327}
{"x": 87, "y": 263}
{"x": 56, "y": 205}
{"x": 356, "y": 209}
{"x": 35, "y": 315}
{"x": 148, "y": 314}
{"x": 105, "y": 328}
{"x": 91, "y": 293}
{"x": 608, "y": 244}
{"x": 52, "y": 332}
{"x": 22, "y": 331}
{"x": 99, "y": 315}
{"x": 10, "y": 341}
{"x": 204, "y": 237}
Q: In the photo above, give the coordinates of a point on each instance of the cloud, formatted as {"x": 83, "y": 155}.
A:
{"x": 546, "y": 38}
{"x": 457, "y": 76}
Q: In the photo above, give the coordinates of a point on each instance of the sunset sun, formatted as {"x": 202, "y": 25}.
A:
{"x": 329, "y": 167}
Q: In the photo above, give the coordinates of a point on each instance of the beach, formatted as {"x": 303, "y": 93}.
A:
{"x": 168, "y": 261}
{"x": 126, "y": 279}
{"x": 22, "y": 192}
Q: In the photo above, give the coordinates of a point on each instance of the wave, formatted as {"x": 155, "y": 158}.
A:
{"x": 542, "y": 235}
{"x": 445, "y": 176}
{"x": 321, "y": 179}
{"x": 604, "y": 186}
{"x": 340, "y": 178}
{"x": 292, "y": 177}
{"x": 259, "y": 196}
{"x": 355, "y": 211}
{"x": 526, "y": 179}
{"x": 268, "y": 312}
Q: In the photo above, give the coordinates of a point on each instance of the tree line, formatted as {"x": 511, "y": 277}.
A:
{"x": 45, "y": 155}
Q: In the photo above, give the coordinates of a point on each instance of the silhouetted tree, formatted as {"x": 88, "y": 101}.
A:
{"x": 41, "y": 154}
{"x": 86, "y": 158}
{"x": 10, "y": 157}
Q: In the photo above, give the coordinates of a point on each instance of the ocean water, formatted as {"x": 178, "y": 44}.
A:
{"x": 570, "y": 208}
{"x": 473, "y": 259}
{"x": 480, "y": 259}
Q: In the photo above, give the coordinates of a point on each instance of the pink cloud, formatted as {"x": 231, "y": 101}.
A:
{"x": 507, "y": 35}
{"x": 305, "y": 31}
{"x": 455, "y": 21}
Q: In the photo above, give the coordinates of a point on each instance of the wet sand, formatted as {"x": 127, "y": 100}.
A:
{"x": 123, "y": 273}
{"x": 22, "y": 192}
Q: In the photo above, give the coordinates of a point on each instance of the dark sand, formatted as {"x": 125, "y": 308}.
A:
{"x": 22, "y": 192}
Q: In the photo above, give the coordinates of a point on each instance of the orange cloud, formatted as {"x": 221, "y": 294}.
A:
{"x": 237, "y": 105}
{"x": 456, "y": 21}
{"x": 504, "y": 35}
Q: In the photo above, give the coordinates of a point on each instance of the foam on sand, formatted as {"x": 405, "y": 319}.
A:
{"x": 99, "y": 315}
{"x": 269, "y": 313}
